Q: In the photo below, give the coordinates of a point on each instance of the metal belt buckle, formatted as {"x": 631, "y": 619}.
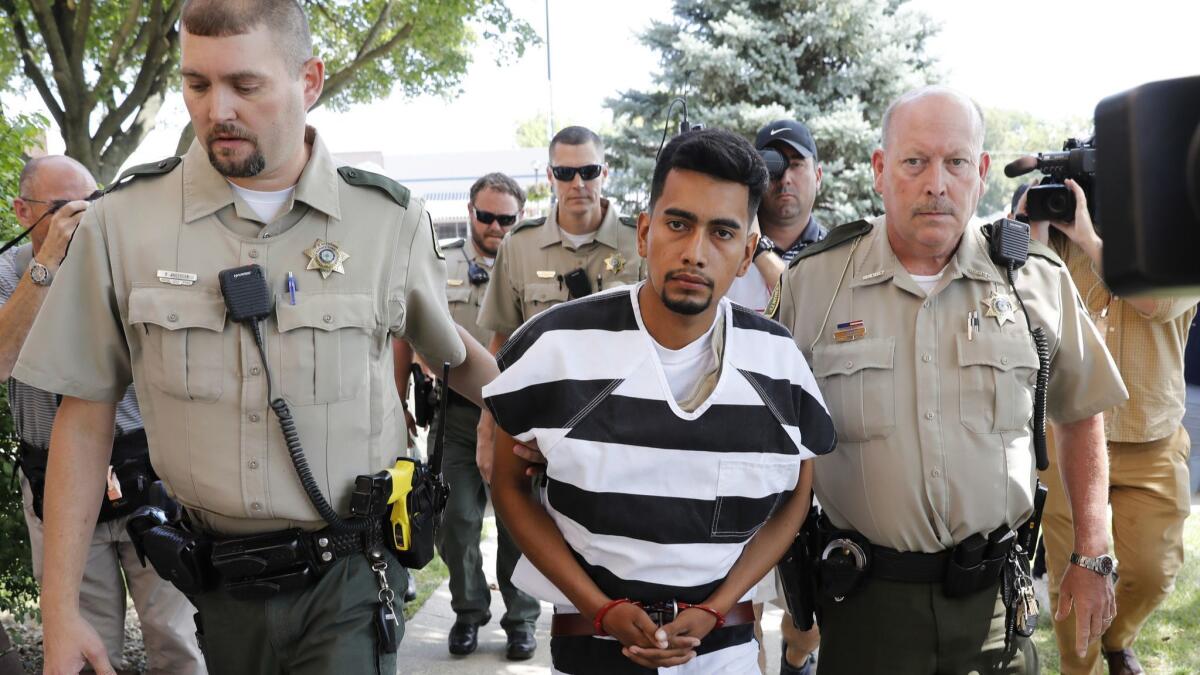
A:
{"x": 661, "y": 613}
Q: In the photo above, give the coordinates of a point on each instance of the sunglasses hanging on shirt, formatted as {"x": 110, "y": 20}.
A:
{"x": 566, "y": 174}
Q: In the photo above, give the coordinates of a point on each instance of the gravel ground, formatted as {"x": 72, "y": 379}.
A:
{"x": 27, "y": 636}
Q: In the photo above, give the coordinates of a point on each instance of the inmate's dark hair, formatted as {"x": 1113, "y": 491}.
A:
{"x": 721, "y": 154}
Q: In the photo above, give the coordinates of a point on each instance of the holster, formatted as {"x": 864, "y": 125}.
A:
{"x": 797, "y": 572}
{"x": 424, "y": 396}
{"x": 130, "y": 460}
{"x": 423, "y": 506}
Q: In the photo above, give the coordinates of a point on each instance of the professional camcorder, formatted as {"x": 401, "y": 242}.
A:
{"x": 1052, "y": 199}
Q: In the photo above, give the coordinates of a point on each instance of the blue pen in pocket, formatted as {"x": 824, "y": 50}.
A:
{"x": 291, "y": 281}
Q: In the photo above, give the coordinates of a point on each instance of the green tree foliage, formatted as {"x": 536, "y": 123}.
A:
{"x": 18, "y": 590}
{"x": 834, "y": 65}
{"x": 103, "y": 68}
{"x": 1013, "y": 133}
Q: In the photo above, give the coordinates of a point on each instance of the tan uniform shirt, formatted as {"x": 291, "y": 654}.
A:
{"x": 934, "y": 442}
{"x": 1148, "y": 351}
{"x": 464, "y": 297}
{"x": 213, "y": 439}
{"x": 533, "y": 257}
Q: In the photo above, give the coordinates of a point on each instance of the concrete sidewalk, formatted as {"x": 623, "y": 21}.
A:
{"x": 424, "y": 648}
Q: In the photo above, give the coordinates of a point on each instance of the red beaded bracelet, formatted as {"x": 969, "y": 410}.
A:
{"x": 599, "y": 620}
{"x": 704, "y": 608}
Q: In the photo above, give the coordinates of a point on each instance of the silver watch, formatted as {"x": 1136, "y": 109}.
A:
{"x": 1104, "y": 565}
{"x": 39, "y": 274}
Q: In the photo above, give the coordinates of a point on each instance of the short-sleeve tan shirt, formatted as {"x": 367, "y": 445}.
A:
{"x": 934, "y": 441}
{"x": 464, "y": 297}
{"x": 203, "y": 391}
{"x": 533, "y": 257}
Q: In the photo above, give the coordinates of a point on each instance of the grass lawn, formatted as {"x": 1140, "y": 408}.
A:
{"x": 428, "y": 580}
{"x": 1169, "y": 644}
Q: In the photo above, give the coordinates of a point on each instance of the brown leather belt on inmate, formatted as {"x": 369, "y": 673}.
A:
{"x": 576, "y": 625}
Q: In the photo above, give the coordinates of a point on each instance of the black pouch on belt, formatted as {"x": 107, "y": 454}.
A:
{"x": 261, "y": 566}
{"x": 798, "y": 574}
{"x": 843, "y": 563}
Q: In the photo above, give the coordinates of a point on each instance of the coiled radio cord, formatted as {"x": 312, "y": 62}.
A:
{"x": 1042, "y": 345}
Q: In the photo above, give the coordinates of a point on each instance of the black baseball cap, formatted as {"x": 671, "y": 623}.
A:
{"x": 791, "y": 132}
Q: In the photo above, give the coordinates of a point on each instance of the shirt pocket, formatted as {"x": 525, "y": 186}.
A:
{"x": 540, "y": 297}
{"x": 747, "y": 494}
{"x": 857, "y": 380}
{"x": 995, "y": 376}
{"x": 324, "y": 346}
{"x": 183, "y": 345}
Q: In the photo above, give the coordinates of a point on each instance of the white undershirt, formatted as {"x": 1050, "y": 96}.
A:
{"x": 577, "y": 240}
{"x": 266, "y": 205}
{"x": 750, "y": 290}
{"x": 928, "y": 281}
{"x": 686, "y": 366}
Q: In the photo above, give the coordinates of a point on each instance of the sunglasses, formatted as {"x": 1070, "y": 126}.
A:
{"x": 567, "y": 173}
{"x": 487, "y": 217}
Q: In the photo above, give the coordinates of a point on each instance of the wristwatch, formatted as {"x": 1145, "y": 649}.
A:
{"x": 1104, "y": 565}
{"x": 764, "y": 244}
{"x": 39, "y": 274}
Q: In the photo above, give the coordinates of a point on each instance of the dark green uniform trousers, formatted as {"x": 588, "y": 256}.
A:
{"x": 462, "y": 524}
{"x": 912, "y": 629}
{"x": 326, "y": 629}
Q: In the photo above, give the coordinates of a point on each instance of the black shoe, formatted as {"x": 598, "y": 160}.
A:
{"x": 809, "y": 667}
{"x": 410, "y": 593}
{"x": 464, "y": 636}
{"x": 521, "y": 646}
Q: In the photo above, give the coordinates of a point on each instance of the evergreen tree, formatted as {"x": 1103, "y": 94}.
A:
{"x": 834, "y": 65}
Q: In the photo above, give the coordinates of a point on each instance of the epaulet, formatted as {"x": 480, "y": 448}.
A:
{"x": 529, "y": 222}
{"x": 361, "y": 178}
{"x": 836, "y": 237}
{"x": 628, "y": 221}
{"x": 162, "y": 166}
{"x": 453, "y": 243}
{"x": 1043, "y": 251}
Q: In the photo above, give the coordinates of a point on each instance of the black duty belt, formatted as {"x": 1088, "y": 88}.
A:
{"x": 132, "y": 470}
{"x": 254, "y": 567}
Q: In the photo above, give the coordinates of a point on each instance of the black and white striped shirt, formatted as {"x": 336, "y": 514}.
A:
{"x": 656, "y": 503}
{"x": 34, "y": 409}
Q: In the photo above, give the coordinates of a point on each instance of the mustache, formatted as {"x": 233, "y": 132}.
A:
{"x": 694, "y": 273}
{"x": 227, "y": 130}
{"x": 940, "y": 205}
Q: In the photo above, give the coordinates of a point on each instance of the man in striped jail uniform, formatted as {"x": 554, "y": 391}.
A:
{"x": 674, "y": 475}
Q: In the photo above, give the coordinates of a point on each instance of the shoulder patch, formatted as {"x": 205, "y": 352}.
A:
{"x": 454, "y": 243}
{"x": 529, "y": 222}
{"x": 1043, "y": 251}
{"x": 836, "y": 237}
{"x": 361, "y": 178}
{"x": 628, "y": 221}
{"x": 159, "y": 168}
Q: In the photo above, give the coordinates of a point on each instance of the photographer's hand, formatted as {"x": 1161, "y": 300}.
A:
{"x": 62, "y": 228}
{"x": 1039, "y": 230}
{"x": 1082, "y": 231}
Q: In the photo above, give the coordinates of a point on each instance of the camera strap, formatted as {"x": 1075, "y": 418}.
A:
{"x": 17, "y": 239}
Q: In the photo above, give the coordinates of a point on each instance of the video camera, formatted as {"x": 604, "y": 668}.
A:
{"x": 1148, "y": 187}
{"x": 1051, "y": 199}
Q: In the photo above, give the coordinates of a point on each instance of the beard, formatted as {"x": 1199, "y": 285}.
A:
{"x": 231, "y": 167}
{"x": 687, "y": 305}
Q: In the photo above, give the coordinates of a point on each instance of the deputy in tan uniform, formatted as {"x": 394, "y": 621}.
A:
{"x": 583, "y": 247}
{"x": 933, "y": 409}
{"x": 138, "y": 300}
{"x": 496, "y": 204}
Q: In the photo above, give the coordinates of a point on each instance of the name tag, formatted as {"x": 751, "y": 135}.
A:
{"x": 176, "y": 278}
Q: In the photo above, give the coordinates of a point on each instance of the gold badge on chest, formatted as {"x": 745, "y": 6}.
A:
{"x": 326, "y": 257}
{"x": 614, "y": 263}
{"x": 1001, "y": 307}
